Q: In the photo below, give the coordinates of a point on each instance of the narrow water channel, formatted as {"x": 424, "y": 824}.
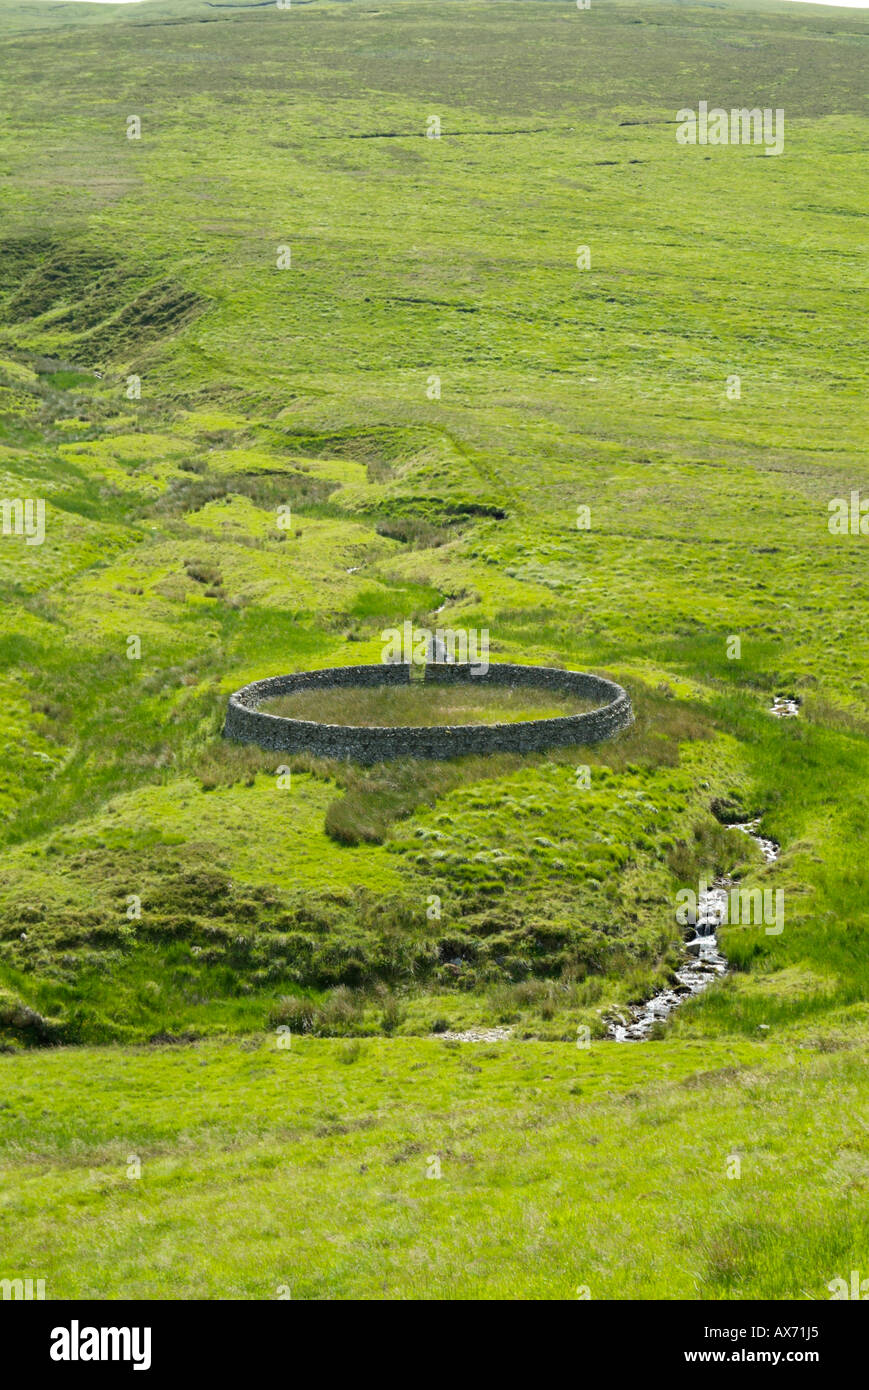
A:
{"x": 704, "y": 961}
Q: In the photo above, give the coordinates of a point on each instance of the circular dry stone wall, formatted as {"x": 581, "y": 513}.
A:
{"x": 247, "y": 723}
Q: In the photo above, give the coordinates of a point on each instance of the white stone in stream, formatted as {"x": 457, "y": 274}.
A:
{"x": 476, "y": 1035}
{"x": 785, "y": 707}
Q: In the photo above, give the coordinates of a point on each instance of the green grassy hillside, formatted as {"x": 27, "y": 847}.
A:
{"x": 434, "y": 388}
{"x": 435, "y": 1170}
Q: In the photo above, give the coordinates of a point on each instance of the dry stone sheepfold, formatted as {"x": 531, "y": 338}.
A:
{"x": 246, "y": 723}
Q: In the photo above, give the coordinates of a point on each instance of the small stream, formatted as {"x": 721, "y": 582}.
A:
{"x": 704, "y": 961}
{"x": 785, "y": 707}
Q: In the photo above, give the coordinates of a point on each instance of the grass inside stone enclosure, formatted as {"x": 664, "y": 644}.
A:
{"x": 254, "y": 471}
{"x": 424, "y": 704}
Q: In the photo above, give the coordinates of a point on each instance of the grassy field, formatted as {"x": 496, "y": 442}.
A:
{"x": 287, "y": 373}
{"x": 433, "y": 1170}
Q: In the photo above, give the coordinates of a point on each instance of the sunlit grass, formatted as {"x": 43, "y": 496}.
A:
{"x": 288, "y": 483}
{"x": 698, "y": 1171}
